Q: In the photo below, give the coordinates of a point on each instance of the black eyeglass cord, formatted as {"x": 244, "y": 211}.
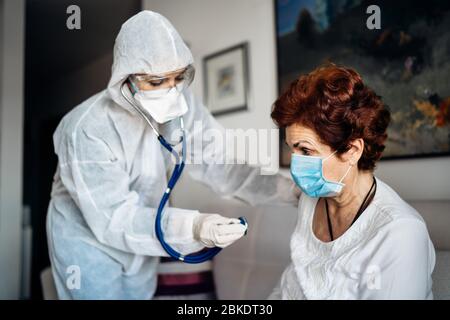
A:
{"x": 361, "y": 209}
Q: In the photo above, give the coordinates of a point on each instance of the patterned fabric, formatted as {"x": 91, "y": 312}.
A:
{"x": 178, "y": 280}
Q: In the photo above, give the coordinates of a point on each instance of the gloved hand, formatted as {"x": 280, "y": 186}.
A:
{"x": 214, "y": 230}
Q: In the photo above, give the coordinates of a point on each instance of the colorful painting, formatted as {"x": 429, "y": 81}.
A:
{"x": 406, "y": 61}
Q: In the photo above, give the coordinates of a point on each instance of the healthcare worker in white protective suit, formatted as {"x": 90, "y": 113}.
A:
{"x": 111, "y": 173}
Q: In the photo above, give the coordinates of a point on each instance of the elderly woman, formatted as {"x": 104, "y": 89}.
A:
{"x": 355, "y": 237}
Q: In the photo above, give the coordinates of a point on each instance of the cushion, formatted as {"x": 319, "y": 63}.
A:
{"x": 441, "y": 276}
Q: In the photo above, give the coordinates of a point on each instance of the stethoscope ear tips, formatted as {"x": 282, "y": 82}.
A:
{"x": 245, "y": 223}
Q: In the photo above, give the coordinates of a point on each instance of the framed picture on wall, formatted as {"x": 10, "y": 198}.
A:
{"x": 226, "y": 80}
{"x": 406, "y": 62}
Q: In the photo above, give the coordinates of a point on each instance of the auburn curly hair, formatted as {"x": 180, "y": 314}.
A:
{"x": 335, "y": 103}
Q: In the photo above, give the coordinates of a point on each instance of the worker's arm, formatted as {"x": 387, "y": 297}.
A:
{"x": 221, "y": 173}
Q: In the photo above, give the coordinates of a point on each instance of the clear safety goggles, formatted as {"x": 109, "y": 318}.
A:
{"x": 162, "y": 84}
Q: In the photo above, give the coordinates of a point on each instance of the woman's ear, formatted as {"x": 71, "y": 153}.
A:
{"x": 355, "y": 152}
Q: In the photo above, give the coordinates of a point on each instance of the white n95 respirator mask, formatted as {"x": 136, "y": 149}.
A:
{"x": 162, "y": 105}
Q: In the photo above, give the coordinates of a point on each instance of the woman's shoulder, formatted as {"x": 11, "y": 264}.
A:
{"x": 389, "y": 204}
{"x": 394, "y": 216}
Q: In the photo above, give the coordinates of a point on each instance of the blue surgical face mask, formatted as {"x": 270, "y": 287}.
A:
{"x": 307, "y": 172}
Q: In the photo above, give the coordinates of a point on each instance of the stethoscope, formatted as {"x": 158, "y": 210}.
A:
{"x": 205, "y": 254}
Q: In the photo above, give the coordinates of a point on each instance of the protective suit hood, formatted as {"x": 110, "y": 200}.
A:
{"x": 146, "y": 43}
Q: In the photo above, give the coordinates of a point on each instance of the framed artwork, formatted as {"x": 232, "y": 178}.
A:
{"x": 406, "y": 62}
{"x": 226, "y": 80}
